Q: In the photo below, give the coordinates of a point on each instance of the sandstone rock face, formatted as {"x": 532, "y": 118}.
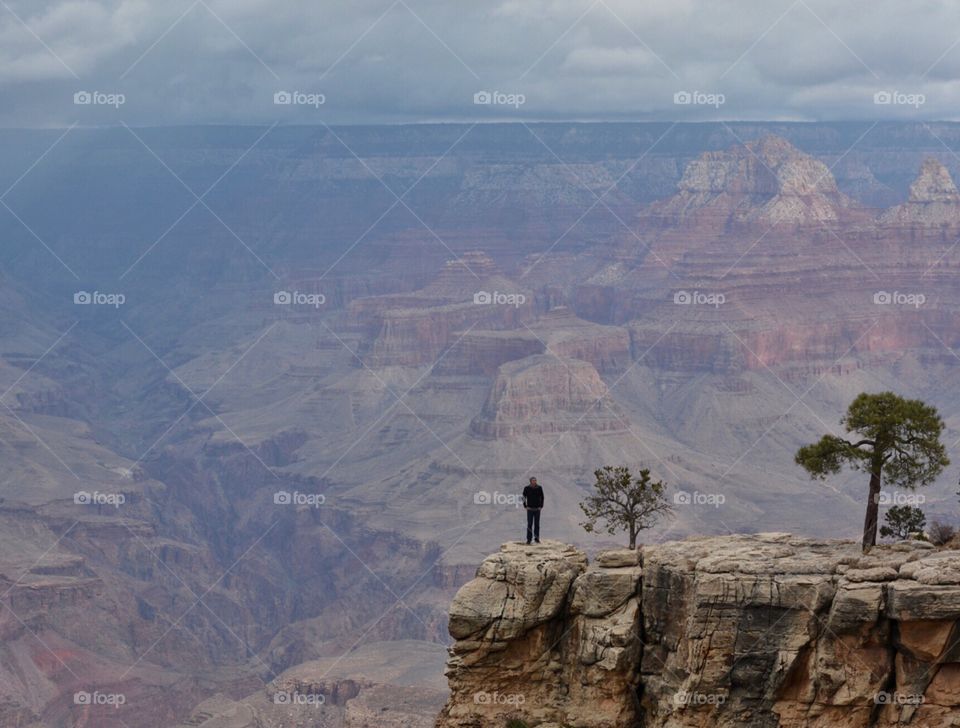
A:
{"x": 543, "y": 637}
{"x": 768, "y": 181}
{"x": 933, "y": 200}
{"x": 545, "y": 394}
{"x": 767, "y": 630}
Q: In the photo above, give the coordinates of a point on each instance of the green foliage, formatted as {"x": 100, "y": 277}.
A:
{"x": 902, "y": 522}
{"x": 624, "y": 503}
{"x": 903, "y": 433}
{"x": 828, "y": 456}
{"x": 897, "y": 440}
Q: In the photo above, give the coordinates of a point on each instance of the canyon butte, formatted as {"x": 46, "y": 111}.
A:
{"x": 327, "y": 385}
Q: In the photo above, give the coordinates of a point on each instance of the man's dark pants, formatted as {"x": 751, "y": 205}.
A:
{"x": 533, "y": 524}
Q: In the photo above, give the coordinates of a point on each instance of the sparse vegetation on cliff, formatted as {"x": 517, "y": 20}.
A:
{"x": 900, "y": 442}
{"x": 623, "y": 502}
{"x": 903, "y": 522}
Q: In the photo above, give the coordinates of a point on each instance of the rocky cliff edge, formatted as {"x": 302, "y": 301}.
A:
{"x": 763, "y": 630}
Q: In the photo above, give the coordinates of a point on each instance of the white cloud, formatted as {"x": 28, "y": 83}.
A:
{"x": 819, "y": 60}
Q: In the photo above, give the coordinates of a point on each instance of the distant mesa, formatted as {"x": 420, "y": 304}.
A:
{"x": 933, "y": 199}
{"x": 545, "y": 394}
{"x": 768, "y": 181}
{"x": 463, "y": 274}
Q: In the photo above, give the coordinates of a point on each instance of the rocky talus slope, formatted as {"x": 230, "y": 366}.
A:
{"x": 765, "y": 630}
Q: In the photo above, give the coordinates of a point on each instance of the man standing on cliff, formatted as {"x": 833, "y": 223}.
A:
{"x": 533, "y": 502}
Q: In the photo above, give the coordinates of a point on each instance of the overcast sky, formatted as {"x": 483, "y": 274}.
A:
{"x": 367, "y": 61}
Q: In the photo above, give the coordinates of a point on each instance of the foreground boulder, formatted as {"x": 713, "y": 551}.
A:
{"x": 543, "y": 636}
{"x": 766, "y": 630}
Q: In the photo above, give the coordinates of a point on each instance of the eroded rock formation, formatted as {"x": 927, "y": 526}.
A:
{"x": 766, "y": 630}
{"x": 933, "y": 200}
{"x": 544, "y": 394}
{"x": 768, "y": 181}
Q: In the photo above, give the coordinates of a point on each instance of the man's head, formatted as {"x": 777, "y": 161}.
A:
{"x": 533, "y": 481}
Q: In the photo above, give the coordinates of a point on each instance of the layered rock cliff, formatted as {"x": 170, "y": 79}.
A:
{"x": 765, "y": 630}
{"x": 544, "y": 394}
{"x": 768, "y": 181}
{"x": 933, "y": 200}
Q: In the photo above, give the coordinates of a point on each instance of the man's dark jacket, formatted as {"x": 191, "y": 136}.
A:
{"x": 533, "y": 496}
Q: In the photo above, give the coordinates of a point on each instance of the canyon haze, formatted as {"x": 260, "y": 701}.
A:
{"x": 270, "y": 393}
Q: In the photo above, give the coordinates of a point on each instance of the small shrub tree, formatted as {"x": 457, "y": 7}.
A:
{"x": 624, "y": 503}
{"x": 940, "y": 533}
{"x": 902, "y": 522}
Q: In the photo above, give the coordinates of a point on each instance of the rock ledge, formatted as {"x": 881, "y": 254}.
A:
{"x": 761, "y": 630}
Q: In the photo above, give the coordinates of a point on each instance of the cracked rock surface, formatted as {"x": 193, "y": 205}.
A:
{"x": 761, "y": 630}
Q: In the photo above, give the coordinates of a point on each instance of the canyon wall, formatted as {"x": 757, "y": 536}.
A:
{"x": 765, "y": 630}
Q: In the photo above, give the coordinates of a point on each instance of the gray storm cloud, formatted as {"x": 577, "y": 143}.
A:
{"x": 203, "y": 61}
